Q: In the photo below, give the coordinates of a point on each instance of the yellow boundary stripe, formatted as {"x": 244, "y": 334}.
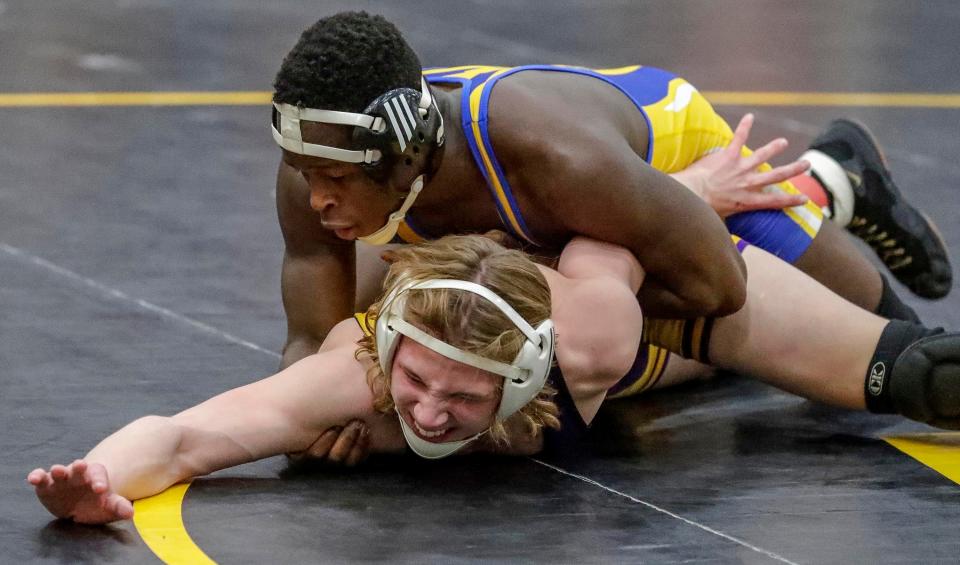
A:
{"x": 160, "y": 523}
{"x": 256, "y": 98}
{"x": 891, "y": 99}
{"x": 47, "y": 99}
{"x": 939, "y": 451}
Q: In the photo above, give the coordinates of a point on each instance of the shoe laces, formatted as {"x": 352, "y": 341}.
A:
{"x": 892, "y": 255}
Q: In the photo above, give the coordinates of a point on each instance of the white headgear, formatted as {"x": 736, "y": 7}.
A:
{"x": 397, "y": 141}
{"x": 523, "y": 379}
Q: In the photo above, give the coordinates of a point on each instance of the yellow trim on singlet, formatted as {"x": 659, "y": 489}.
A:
{"x": 618, "y": 70}
{"x": 361, "y": 318}
{"x": 660, "y": 367}
{"x": 406, "y": 233}
{"x": 475, "y": 97}
{"x": 652, "y": 371}
{"x": 468, "y": 72}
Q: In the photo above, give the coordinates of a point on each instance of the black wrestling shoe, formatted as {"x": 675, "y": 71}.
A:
{"x": 904, "y": 238}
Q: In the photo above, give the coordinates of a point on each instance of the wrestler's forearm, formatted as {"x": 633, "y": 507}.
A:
{"x": 313, "y": 309}
{"x": 142, "y": 457}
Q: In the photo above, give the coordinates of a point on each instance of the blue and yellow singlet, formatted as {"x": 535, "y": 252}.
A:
{"x": 682, "y": 126}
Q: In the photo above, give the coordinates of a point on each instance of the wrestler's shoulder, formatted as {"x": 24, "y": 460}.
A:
{"x": 344, "y": 335}
{"x": 528, "y": 124}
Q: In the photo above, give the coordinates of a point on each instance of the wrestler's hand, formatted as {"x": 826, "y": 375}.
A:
{"x": 730, "y": 183}
{"x": 81, "y": 492}
{"x": 348, "y": 446}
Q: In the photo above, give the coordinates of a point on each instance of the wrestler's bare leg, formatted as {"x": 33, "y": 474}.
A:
{"x": 792, "y": 333}
{"x": 797, "y": 335}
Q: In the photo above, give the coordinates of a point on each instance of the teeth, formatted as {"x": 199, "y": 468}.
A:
{"x": 425, "y": 433}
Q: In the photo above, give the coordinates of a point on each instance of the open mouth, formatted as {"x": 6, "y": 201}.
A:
{"x": 429, "y": 435}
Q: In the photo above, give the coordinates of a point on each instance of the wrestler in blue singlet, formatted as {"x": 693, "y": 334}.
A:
{"x": 682, "y": 126}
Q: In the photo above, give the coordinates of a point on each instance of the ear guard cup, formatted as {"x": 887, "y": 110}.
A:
{"x": 407, "y": 140}
{"x": 537, "y": 359}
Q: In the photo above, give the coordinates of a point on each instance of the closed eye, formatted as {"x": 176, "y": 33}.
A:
{"x": 468, "y": 398}
{"x": 328, "y": 173}
{"x": 414, "y": 379}
{"x": 336, "y": 173}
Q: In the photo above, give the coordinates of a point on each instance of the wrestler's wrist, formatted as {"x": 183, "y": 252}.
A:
{"x": 694, "y": 183}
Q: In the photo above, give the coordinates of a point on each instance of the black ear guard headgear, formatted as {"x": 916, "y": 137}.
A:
{"x": 397, "y": 135}
{"x": 407, "y": 142}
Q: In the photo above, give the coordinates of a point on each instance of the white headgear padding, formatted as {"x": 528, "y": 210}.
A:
{"x": 285, "y": 127}
{"x": 524, "y": 378}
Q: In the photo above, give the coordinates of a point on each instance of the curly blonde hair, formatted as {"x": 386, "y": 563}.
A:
{"x": 463, "y": 319}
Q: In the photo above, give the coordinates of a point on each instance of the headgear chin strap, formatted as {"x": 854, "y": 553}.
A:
{"x": 523, "y": 378}
{"x": 396, "y": 135}
{"x": 386, "y": 234}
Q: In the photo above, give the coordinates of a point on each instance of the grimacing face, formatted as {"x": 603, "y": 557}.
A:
{"x": 349, "y": 203}
{"x": 441, "y": 399}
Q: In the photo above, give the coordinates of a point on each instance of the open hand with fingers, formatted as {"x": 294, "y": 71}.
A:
{"x": 80, "y": 491}
{"x": 731, "y": 182}
{"x": 348, "y": 446}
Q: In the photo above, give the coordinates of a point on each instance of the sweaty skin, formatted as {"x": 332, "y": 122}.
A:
{"x": 582, "y": 175}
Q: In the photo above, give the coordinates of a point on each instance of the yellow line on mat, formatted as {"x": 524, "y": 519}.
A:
{"x": 901, "y": 99}
{"x": 159, "y": 521}
{"x": 939, "y": 450}
{"x": 256, "y": 98}
{"x": 135, "y": 99}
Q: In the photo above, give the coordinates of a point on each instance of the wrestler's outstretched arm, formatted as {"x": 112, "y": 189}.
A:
{"x": 279, "y": 414}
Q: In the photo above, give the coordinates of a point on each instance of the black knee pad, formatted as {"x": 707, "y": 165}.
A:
{"x": 925, "y": 382}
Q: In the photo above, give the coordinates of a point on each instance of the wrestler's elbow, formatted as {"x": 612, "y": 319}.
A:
{"x": 715, "y": 294}
{"x": 732, "y": 303}
{"x": 727, "y": 294}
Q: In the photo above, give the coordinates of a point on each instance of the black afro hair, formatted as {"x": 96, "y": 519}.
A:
{"x": 343, "y": 62}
